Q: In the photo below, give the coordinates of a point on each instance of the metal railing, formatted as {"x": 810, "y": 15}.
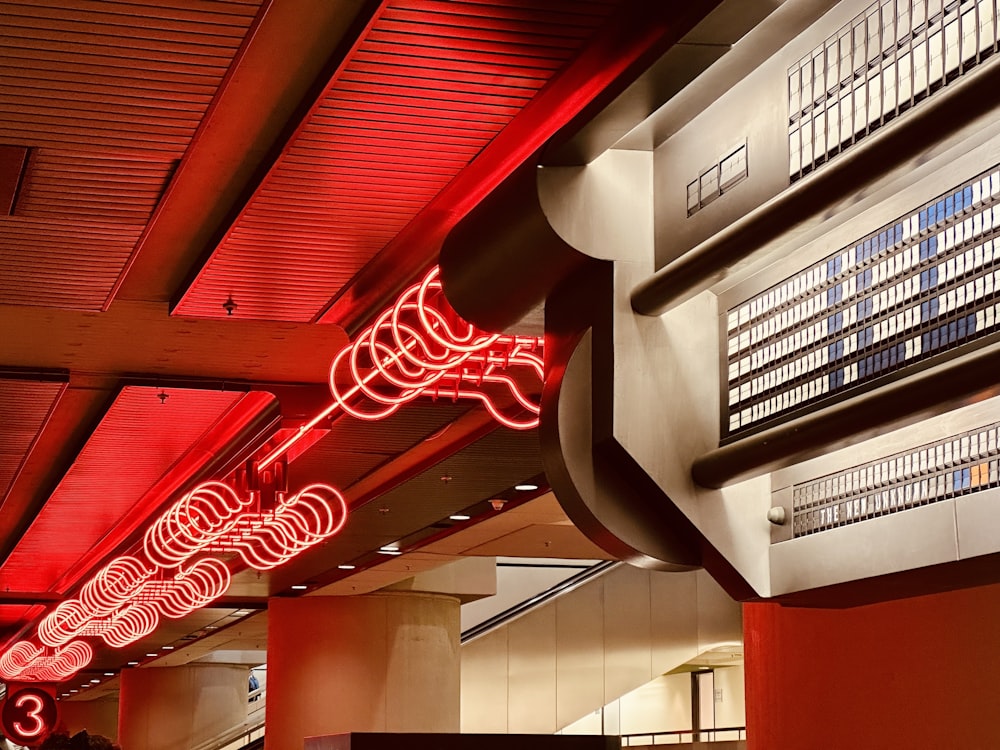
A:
{"x": 891, "y": 57}
{"x": 684, "y": 736}
{"x": 563, "y": 587}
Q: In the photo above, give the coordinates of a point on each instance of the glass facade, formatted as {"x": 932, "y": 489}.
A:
{"x": 888, "y": 59}
{"x": 926, "y": 283}
{"x": 936, "y": 471}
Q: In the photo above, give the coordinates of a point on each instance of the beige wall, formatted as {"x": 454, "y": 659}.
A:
{"x": 564, "y": 660}
{"x": 664, "y": 705}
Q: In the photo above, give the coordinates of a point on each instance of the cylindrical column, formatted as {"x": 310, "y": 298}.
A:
{"x": 386, "y": 662}
{"x": 163, "y": 708}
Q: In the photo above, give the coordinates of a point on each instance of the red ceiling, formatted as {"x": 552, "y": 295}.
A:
{"x": 24, "y": 407}
{"x": 108, "y": 95}
{"x": 423, "y": 91}
{"x": 136, "y": 443}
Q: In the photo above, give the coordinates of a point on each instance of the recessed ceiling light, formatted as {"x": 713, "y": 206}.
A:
{"x": 242, "y": 612}
{"x": 95, "y": 680}
{"x": 302, "y": 586}
{"x": 152, "y": 654}
{"x": 167, "y": 648}
{"x": 74, "y": 691}
{"x": 211, "y": 627}
{"x": 459, "y": 517}
{"x": 389, "y": 549}
{"x": 133, "y": 664}
{"x": 347, "y": 566}
{"x": 525, "y": 487}
{"x": 109, "y": 674}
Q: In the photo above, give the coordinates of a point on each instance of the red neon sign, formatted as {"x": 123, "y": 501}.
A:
{"x": 418, "y": 348}
{"x": 29, "y": 715}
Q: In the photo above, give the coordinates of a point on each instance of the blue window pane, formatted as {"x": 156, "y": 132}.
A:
{"x": 949, "y": 207}
{"x": 932, "y": 244}
{"x": 923, "y": 220}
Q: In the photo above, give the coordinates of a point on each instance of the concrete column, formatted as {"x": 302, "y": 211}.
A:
{"x": 164, "y": 708}
{"x": 384, "y": 662}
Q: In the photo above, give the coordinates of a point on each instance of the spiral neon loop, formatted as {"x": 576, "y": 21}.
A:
{"x": 203, "y": 515}
{"x": 266, "y": 540}
{"x": 26, "y": 662}
{"x": 419, "y": 347}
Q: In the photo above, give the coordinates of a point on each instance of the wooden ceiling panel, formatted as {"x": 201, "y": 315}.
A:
{"x": 107, "y": 95}
{"x": 417, "y": 99}
{"x": 134, "y": 445}
{"x": 24, "y": 407}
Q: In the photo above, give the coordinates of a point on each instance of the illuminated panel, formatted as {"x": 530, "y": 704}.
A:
{"x": 924, "y": 284}
{"x": 936, "y": 471}
{"x": 887, "y": 60}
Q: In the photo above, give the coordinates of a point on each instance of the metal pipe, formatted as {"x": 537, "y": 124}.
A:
{"x": 958, "y": 382}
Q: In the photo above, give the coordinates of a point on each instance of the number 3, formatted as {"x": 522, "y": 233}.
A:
{"x": 38, "y": 725}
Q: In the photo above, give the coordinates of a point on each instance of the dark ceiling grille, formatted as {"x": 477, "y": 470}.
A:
{"x": 420, "y": 96}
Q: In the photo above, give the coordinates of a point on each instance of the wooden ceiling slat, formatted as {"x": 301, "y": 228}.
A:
{"x": 89, "y": 79}
{"x": 422, "y": 67}
{"x": 470, "y": 44}
{"x": 108, "y": 18}
{"x": 408, "y": 126}
{"x": 80, "y": 50}
{"x": 524, "y": 35}
{"x": 547, "y": 14}
{"x": 355, "y": 103}
{"x": 101, "y": 106}
{"x": 85, "y": 88}
{"x": 154, "y": 74}
{"x": 394, "y": 51}
{"x": 458, "y": 89}
{"x": 420, "y": 96}
{"x": 344, "y": 140}
{"x": 435, "y": 100}
{"x": 209, "y": 11}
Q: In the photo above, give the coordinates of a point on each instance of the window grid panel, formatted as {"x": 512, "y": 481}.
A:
{"x": 941, "y": 470}
{"x": 717, "y": 179}
{"x": 888, "y": 59}
{"x": 923, "y": 284}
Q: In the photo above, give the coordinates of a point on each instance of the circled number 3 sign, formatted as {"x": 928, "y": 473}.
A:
{"x": 29, "y": 715}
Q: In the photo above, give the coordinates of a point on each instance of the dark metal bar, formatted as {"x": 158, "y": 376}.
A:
{"x": 548, "y": 595}
{"x": 957, "y": 382}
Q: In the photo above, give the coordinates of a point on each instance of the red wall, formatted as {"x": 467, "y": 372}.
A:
{"x": 914, "y": 673}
